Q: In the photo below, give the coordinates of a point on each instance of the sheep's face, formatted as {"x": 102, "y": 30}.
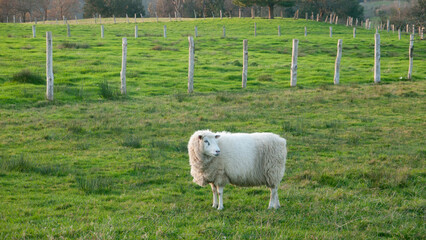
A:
{"x": 209, "y": 143}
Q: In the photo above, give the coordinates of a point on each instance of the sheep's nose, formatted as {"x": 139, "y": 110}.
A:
{"x": 217, "y": 152}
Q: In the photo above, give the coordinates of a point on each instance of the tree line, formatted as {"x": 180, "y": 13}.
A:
{"x": 51, "y": 9}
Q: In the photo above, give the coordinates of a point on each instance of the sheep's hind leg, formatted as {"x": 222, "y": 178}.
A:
{"x": 214, "y": 190}
{"x": 274, "y": 202}
{"x": 220, "y": 192}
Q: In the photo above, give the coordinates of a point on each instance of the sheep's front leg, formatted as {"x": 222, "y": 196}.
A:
{"x": 220, "y": 192}
{"x": 214, "y": 190}
{"x": 274, "y": 202}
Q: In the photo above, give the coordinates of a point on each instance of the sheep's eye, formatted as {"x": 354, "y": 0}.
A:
{"x": 208, "y": 144}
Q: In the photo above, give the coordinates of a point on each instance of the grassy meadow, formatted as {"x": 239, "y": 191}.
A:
{"x": 96, "y": 165}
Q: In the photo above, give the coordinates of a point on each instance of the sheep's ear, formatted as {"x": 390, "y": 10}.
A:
{"x": 217, "y": 136}
{"x": 200, "y": 137}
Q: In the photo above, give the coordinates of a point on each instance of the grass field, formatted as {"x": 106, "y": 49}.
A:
{"x": 91, "y": 166}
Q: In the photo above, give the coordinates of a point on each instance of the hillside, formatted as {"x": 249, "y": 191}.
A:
{"x": 96, "y": 167}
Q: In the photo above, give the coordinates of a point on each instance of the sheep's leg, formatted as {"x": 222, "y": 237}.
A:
{"x": 214, "y": 190}
{"x": 220, "y": 192}
{"x": 274, "y": 202}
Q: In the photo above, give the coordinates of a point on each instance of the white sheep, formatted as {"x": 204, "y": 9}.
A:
{"x": 240, "y": 159}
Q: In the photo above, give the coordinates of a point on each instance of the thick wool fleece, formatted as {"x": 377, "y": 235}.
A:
{"x": 245, "y": 159}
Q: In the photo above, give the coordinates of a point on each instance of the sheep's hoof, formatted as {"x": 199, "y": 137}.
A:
{"x": 214, "y": 205}
{"x": 219, "y": 208}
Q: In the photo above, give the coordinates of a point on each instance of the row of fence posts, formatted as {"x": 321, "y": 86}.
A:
{"x": 191, "y": 63}
{"x": 223, "y": 31}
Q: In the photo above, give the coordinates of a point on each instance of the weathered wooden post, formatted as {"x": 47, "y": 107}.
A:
{"x": 135, "y": 18}
{"x": 337, "y": 20}
{"x": 306, "y": 32}
{"x": 376, "y": 58}
{"x": 49, "y": 67}
{"x": 220, "y": 14}
{"x": 354, "y": 34}
{"x": 14, "y": 19}
{"x": 293, "y": 72}
{"x": 252, "y": 13}
{"x": 136, "y": 31}
{"x": 421, "y": 33}
{"x": 34, "y": 31}
{"x": 102, "y": 31}
{"x": 191, "y": 65}
{"x": 127, "y": 18}
{"x": 410, "y": 55}
{"x": 245, "y": 62}
{"x": 123, "y": 66}
{"x": 165, "y": 31}
{"x": 224, "y": 31}
{"x": 196, "y": 31}
{"x": 279, "y": 30}
{"x": 306, "y": 15}
{"x": 399, "y": 33}
{"x": 331, "y": 32}
{"x": 387, "y": 25}
{"x": 317, "y": 17}
{"x": 239, "y": 13}
{"x": 337, "y": 64}
{"x": 414, "y": 29}
{"x": 68, "y": 30}
{"x": 406, "y": 29}
{"x": 255, "y": 29}
{"x": 115, "y": 22}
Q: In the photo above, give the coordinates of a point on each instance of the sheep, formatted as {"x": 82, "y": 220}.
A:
{"x": 240, "y": 159}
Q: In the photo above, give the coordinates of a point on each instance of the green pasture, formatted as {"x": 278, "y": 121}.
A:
{"x": 96, "y": 165}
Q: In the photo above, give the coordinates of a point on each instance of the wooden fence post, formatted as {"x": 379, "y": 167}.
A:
{"x": 306, "y": 32}
{"x": 279, "y": 30}
{"x": 49, "y": 67}
{"x": 115, "y": 22}
{"x": 376, "y": 58}
{"x": 387, "y": 25}
{"x": 196, "y": 31}
{"x": 165, "y": 31}
{"x": 123, "y": 66}
{"x": 354, "y": 34}
{"x": 135, "y": 17}
{"x": 399, "y": 33}
{"x": 239, "y": 13}
{"x": 220, "y": 14}
{"x": 136, "y": 31}
{"x": 102, "y": 31}
{"x": 337, "y": 64}
{"x": 410, "y": 55}
{"x": 331, "y": 32}
{"x": 14, "y": 19}
{"x": 191, "y": 65}
{"x": 306, "y": 15}
{"x": 255, "y": 29}
{"x": 127, "y": 18}
{"x": 293, "y": 72}
{"x": 34, "y": 31}
{"x": 68, "y": 31}
{"x": 245, "y": 62}
{"x": 224, "y": 31}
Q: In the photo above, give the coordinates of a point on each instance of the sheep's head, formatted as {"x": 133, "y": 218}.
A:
{"x": 209, "y": 143}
